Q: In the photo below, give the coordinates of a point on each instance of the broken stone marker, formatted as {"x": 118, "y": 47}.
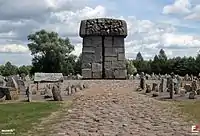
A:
{"x": 171, "y": 88}
{"x": 155, "y": 87}
{"x": 188, "y": 87}
{"x": 192, "y": 95}
{"x": 198, "y": 92}
{"x": 162, "y": 85}
{"x": 148, "y": 88}
{"x": 194, "y": 85}
{"x": 56, "y": 93}
{"x": 182, "y": 92}
{"x": 29, "y": 94}
{"x": 155, "y": 94}
{"x": 142, "y": 81}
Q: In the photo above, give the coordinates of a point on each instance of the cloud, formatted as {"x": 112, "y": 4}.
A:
{"x": 149, "y": 37}
{"x": 19, "y": 19}
{"x": 37, "y": 9}
{"x": 13, "y": 48}
{"x": 178, "y": 7}
{"x": 188, "y": 8}
{"x": 195, "y": 14}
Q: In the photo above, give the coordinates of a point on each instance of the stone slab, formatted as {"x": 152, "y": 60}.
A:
{"x": 98, "y": 55}
{"x": 86, "y": 65}
{"x": 118, "y": 65}
{"x": 96, "y": 41}
{"x": 118, "y": 42}
{"x": 120, "y": 56}
{"x": 88, "y": 49}
{"x": 96, "y": 67}
{"x": 108, "y": 41}
{"x": 88, "y": 57}
{"x": 109, "y": 74}
{"x": 87, "y": 41}
{"x": 120, "y": 74}
{"x": 110, "y": 52}
{"x": 107, "y": 64}
{"x": 97, "y": 75}
{"x": 108, "y": 58}
{"x": 87, "y": 73}
{"x": 120, "y": 50}
{"x": 82, "y": 28}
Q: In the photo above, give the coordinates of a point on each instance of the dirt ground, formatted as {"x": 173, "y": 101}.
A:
{"x": 113, "y": 108}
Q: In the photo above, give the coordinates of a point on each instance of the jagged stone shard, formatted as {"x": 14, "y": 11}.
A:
{"x": 103, "y": 27}
{"x": 9, "y": 92}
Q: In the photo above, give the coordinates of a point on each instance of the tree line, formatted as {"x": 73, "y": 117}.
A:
{"x": 53, "y": 54}
{"x": 162, "y": 65}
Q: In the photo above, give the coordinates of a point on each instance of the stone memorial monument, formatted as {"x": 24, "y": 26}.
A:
{"x": 103, "y": 52}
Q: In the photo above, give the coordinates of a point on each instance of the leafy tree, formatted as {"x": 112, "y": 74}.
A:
{"x": 162, "y": 55}
{"x": 139, "y": 57}
{"x": 9, "y": 69}
{"x": 131, "y": 69}
{"x": 24, "y": 70}
{"x": 155, "y": 65}
{"x": 69, "y": 65}
{"x": 78, "y": 65}
{"x": 50, "y": 52}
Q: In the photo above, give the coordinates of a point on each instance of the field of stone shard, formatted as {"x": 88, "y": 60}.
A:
{"x": 113, "y": 108}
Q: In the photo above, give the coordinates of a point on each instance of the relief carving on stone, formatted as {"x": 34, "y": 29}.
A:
{"x": 105, "y": 27}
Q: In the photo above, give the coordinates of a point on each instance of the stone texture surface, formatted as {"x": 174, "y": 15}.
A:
{"x": 103, "y": 43}
{"x": 87, "y": 73}
{"x": 112, "y": 108}
{"x": 103, "y": 27}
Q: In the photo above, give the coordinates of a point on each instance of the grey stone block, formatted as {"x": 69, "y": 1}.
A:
{"x": 109, "y": 74}
{"x": 110, "y": 52}
{"x": 97, "y": 75}
{"x": 82, "y": 28}
{"x": 87, "y": 41}
{"x": 88, "y": 57}
{"x": 87, "y": 73}
{"x": 108, "y": 41}
{"x": 96, "y": 67}
{"x": 88, "y": 50}
{"x": 86, "y": 65}
{"x": 96, "y": 41}
{"x": 120, "y": 56}
{"x": 107, "y": 64}
{"x": 98, "y": 55}
{"x": 107, "y": 58}
{"x": 118, "y": 42}
{"x": 118, "y": 65}
{"x": 120, "y": 74}
{"x": 120, "y": 50}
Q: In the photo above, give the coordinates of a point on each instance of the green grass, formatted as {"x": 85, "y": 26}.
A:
{"x": 191, "y": 109}
{"x": 23, "y": 116}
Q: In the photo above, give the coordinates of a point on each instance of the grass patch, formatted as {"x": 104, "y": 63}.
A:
{"x": 191, "y": 109}
{"x": 22, "y": 116}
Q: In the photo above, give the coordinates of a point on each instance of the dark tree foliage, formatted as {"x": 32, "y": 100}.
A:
{"x": 161, "y": 65}
{"x": 51, "y": 53}
{"x": 10, "y": 69}
{"x": 139, "y": 57}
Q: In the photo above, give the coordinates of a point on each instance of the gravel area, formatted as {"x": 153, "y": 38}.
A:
{"x": 113, "y": 108}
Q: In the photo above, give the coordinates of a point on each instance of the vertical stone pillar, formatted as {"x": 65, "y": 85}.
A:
{"x": 103, "y": 52}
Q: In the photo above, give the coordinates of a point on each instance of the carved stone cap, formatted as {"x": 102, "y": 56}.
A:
{"x": 103, "y": 27}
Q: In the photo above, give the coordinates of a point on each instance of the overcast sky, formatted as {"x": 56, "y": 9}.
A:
{"x": 152, "y": 24}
